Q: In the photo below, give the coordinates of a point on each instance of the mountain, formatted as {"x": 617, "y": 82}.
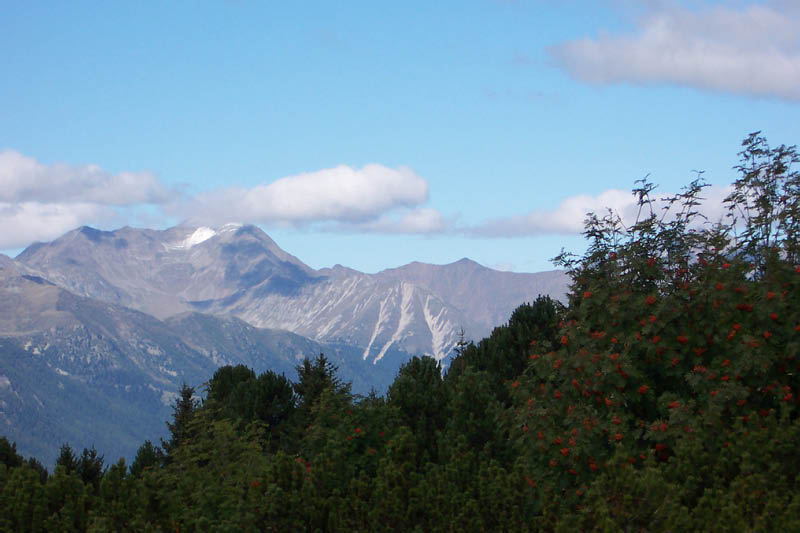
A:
{"x": 487, "y": 296}
{"x": 80, "y": 370}
{"x": 99, "y": 329}
{"x": 84, "y": 371}
{"x": 239, "y": 271}
{"x": 164, "y": 273}
{"x": 232, "y": 341}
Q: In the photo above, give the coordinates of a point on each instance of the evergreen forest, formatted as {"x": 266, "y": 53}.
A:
{"x": 663, "y": 396}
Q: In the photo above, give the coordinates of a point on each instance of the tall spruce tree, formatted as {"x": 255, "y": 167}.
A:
{"x": 313, "y": 377}
{"x": 90, "y": 468}
{"x": 8, "y": 454}
{"x": 182, "y": 413}
{"x": 148, "y": 456}
{"x": 67, "y": 458}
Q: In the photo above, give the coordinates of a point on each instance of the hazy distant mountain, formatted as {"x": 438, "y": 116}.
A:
{"x": 98, "y": 330}
{"x": 239, "y": 271}
{"x": 77, "y": 369}
{"x": 84, "y": 371}
{"x": 163, "y": 272}
{"x": 229, "y": 340}
{"x": 486, "y": 296}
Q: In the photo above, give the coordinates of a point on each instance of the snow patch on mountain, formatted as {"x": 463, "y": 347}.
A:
{"x": 231, "y": 226}
{"x": 200, "y": 235}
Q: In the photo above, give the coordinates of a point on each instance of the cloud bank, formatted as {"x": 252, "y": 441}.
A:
{"x": 420, "y": 221}
{"x": 42, "y": 202}
{"x": 23, "y": 179}
{"x": 566, "y": 219}
{"x": 569, "y": 216}
{"x": 754, "y": 50}
{"x": 343, "y": 196}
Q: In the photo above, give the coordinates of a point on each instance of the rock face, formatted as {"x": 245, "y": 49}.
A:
{"x": 486, "y": 296}
{"x": 239, "y": 271}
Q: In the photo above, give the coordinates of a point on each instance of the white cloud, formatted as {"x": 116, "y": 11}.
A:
{"x": 568, "y": 218}
{"x": 23, "y": 179}
{"x": 752, "y": 50}
{"x": 423, "y": 221}
{"x": 42, "y": 202}
{"x": 27, "y": 222}
{"x": 341, "y": 194}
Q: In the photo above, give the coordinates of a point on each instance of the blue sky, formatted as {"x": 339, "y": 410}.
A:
{"x": 373, "y": 134}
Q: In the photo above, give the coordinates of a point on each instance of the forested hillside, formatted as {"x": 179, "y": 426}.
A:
{"x": 663, "y": 396}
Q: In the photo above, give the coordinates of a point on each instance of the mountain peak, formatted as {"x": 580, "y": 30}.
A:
{"x": 93, "y": 234}
{"x": 339, "y": 270}
{"x": 466, "y": 261}
{"x": 420, "y": 267}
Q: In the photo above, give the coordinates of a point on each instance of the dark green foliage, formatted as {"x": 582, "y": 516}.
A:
{"x": 23, "y": 500}
{"x": 182, "y": 414}
{"x": 268, "y": 398}
{"x": 313, "y": 377}
{"x": 236, "y": 393}
{"x": 67, "y": 459}
{"x": 147, "y": 457}
{"x": 67, "y": 501}
{"x": 8, "y": 454}
{"x": 90, "y": 468}
{"x": 419, "y": 394}
{"x": 34, "y": 464}
{"x": 504, "y": 354}
{"x": 119, "y": 502}
{"x": 663, "y": 398}
{"x": 225, "y": 381}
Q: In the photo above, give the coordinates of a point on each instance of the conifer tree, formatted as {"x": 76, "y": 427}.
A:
{"x": 182, "y": 413}
{"x": 148, "y": 456}
{"x": 419, "y": 394}
{"x": 8, "y": 454}
{"x": 90, "y": 468}
{"x": 314, "y": 377}
{"x": 67, "y": 458}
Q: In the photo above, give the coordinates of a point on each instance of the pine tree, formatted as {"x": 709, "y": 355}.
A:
{"x": 90, "y": 468}
{"x": 419, "y": 394}
{"x": 8, "y": 454}
{"x": 182, "y": 413}
{"x": 148, "y": 456}
{"x": 314, "y": 377}
{"x": 67, "y": 458}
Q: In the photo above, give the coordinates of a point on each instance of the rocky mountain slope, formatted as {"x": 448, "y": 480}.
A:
{"x": 239, "y": 271}
{"x": 486, "y": 296}
{"x": 80, "y": 370}
{"x": 98, "y": 330}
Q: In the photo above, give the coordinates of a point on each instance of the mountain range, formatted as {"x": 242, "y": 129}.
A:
{"x": 99, "y": 329}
